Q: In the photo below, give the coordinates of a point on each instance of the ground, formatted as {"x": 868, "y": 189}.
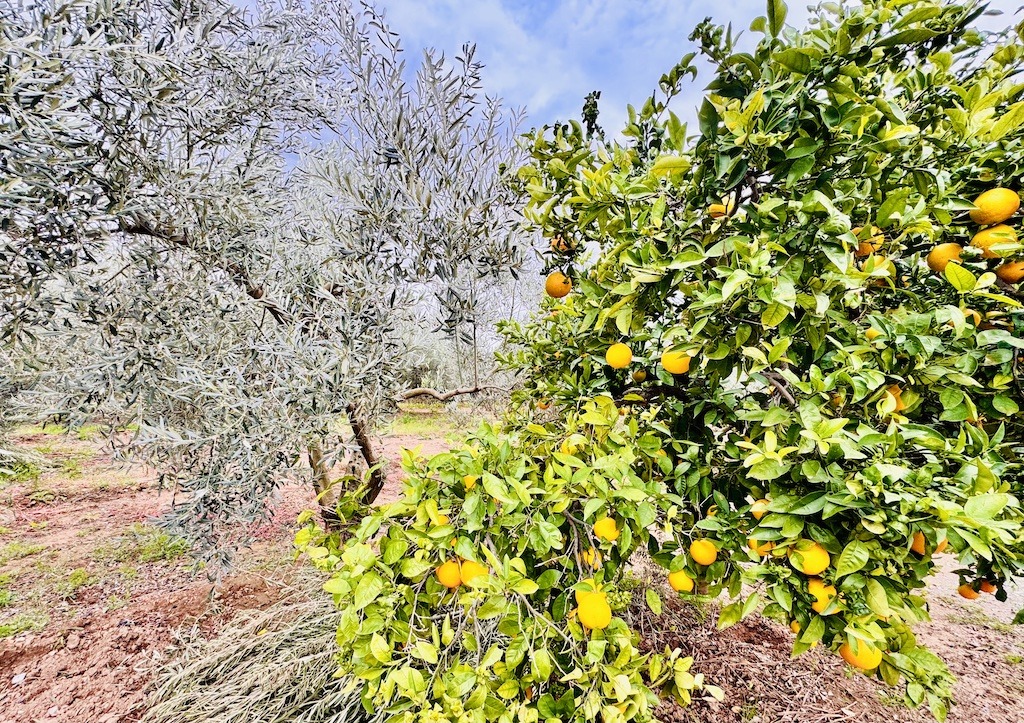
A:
{"x": 94, "y": 598}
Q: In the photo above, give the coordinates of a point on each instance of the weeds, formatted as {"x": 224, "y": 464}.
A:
{"x": 23, "y": 623}
{"x": 75, "y": 581}
{"x": 17, "y": 550}
{"x": 143, "y": 544}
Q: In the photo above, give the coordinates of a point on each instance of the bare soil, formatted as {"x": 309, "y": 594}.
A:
{"x": 100, "y": 596}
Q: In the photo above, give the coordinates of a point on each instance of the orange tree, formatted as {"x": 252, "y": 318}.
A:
{"x": 792, "y": 374}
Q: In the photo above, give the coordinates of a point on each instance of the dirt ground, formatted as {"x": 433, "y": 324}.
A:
{"x": 93, "y": 598}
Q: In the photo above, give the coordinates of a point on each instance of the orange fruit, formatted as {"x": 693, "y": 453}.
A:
{"x": 680, "y": 581}
{"x": 1011, "y": 272}
{"x": 594, "y": 611}
{"x": 823, "y": 594}
{"x": 995, "y": 206}
{"x": 871, "y": 245}
{"x": 986, "y": 239}
{"x": 759, "y": 508}
{"x": 940, "y": 256}
{"x": 703, "y": 552}
{"x": 639, "y": 376}
{"x": 872, "y": 333}
{"x": 618, "y": 356}
{"x": 809, "y": 557}
{"x": 941, "y": 546}
{"x": 557, "y": 285}
{"x": 967, "y": 591}
{"x": 471, "y": 570}
{"x": 987, "y": 586}
{"x": 560, "y": 245}
{"x": 918, "y": 544}
{"x": 795, "y": 627}
{"x": 606, "y": 529}
{"x": 866, "y": 657}
{"x": 717, "y": 210}
{"x": 449, "y": 574}
{"x": 760, "y": 548}
{"x": 469, "y": 481}
{"x": 675, "y": 362}
{"x": 591, "y": 557}
{"x": 896, "y": 393}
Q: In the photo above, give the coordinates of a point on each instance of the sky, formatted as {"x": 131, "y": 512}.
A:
{"x": 547, "y": 55}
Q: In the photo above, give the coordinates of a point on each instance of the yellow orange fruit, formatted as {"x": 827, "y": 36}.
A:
{"x": 941, "y": 546}
{"x": 918, "y": 543}
{"x": 989, "y": 237}
{"x": 809, "y": 557}
{"x": 759, "y": 508}
{"x": 940, "y": 256}
{"x": 995, "y": 206}
{"x": 606, "y": 529}
{"x": 987, "y": 586}
{"x": 591, "y": 557}
{"x": 968, "y": 592}
{"x": 872, "y": 333}
{"x": 675, "y": 362}
{"x": 1011, "y": 272}
{"x": 717, "y": 210}
{"x": 896, "y": 393}
{"x": 865, "y": 657}
{"x": 871, "y": 245}
{"x": 703, "y": 552}
{"x": 795, "y": 627}
{"x": 618, "y": 356}
{"x": 449, "y": 574}
{"x": 471, "y": 570}
{"x": 594, "y": 611}
{"x": 760, "y": 548}
{"x": 543, "y": 404}
{"x": 823, "y": 594}
{"x": 639, "y": 376}
{"x": 469, "y": 481}
{"x": 680, "y": 581}
{"x": 557, "y": 285}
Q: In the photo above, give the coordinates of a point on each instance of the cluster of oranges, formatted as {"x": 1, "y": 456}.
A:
{"x": 454, "y": 573}
{"x": 991, "y": 209}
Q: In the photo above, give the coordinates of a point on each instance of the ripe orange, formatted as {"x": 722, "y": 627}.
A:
{"x": 675, "y": 362}
{"x": 680, "y": 581}
{"x": 759, "y": 508}
{"x": 795, "y": 627}
{"x": 543, "y": 404}
{"x": 1011, "y": 272}
{"x": 469, "y": 481}
{"x": 449, "y": 574}
{"x": 871, "y": 245}
{"x": 606, "y": 529}
{"x": 471, "y": 570}
{"x": 760, "y": 548}
{"x": 987, "y": 586}
{"x": 557, "y": 285}
{"x": 941, "y": 546}
{"x": 995, "y": 206}
{"x": 823, "y": 594}
{"x": 560, "y": 245}
{"x": 703, "y": 552}
{"x": 986, "y": 239}
{"x": 809, "y": 557}
{"x": 918, "y": 544}
{"x": 866, "y": 657}
{"x": 896, "y": 393}
{"x": 618, "y": 356}
{"x": 717, "y": 210}
{"x": 968, "y": 592}
{"x": 591, "y": 557}
{"x": 594, "y": 611}
{"x": 872, "y": 333}
{"x": 940, "y": 256}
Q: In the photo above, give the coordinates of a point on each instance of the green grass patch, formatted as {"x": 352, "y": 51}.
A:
{"x": 143, "y": 543}
{"x": 75, "y": 581}
{"x": 23, "y": 623}
{"x": 6, "y": 594}
{"x": 17, "y": 550}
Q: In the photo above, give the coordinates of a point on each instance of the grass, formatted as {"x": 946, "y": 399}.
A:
{"x": 77, "y": 579}
{"x": 141, "y": 544}
{"x": 976, "y": 617}
{"x": 23, "y": 623}
{"x": 17, "y": 550}
{"x": 6, "y": 595}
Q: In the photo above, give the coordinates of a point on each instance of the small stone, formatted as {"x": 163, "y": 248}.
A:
{"x": 73, "y": 641}
{"x": 52, "y": 713}
{"x": 18, "y": 679}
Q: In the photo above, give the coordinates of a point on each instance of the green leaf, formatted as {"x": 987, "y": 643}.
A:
{"x": 894, "y": 204}
{"x": 775, "y": 314}
{"x": 729, "y": 615}
{"x": 877, "y": 599}
{"x": 986, "y": 507}
{"x": 668, "y": 165}
{"x": 776, "y": 17}
{"x": 653, "y": 601}
{"x": 792, "y": 59}
{"x": 853, "y": 558}
{"x": 369, "y": 587}
{"x": 961, "y": 279}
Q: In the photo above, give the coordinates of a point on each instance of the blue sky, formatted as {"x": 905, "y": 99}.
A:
{"x": 547, "y": 55}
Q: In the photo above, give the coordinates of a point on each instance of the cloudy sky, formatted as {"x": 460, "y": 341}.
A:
{"x": 547, "y": 55}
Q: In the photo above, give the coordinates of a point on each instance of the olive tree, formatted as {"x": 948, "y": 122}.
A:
{"x": 214, "y": 221}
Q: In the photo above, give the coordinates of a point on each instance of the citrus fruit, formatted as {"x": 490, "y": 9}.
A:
{"x": 703, "y": 552}
{"x": 543, "y": 404}
{"x": 994, "y": 206}
{"x": 941, "y": 546}
{"x": 639, "y": 376}
{"x": 869, "y": 246}
{"x": 594, "y": 611}
{"x": 987, "y": 586}
{"x": 591, "y": 557}
{"x": 680, "y": 581}
{"x": 580, "y": 594}
{"x": 896, "y": 393}
{"x": 967, "y": 591}
{"x": 872, "y": 333}
{"x": 986, "y": 239}
{"x": 471, "y": 570}
{"x": 618, "y": 356}
{"x": 1011, "y": 272}
{"x": 449, "y": 574}
{"x": 866, "y": 657}
{"x": 760, "y": 508}
{"x": 560, "y": 245}
{"x": 469, "y": 481}
{"x": 760, "y": 548}
{"x": 940, "y": 256}
{"x": 717, "y": 210}
{"x": 675, "y": 362}
{"x": 557, "y": 285}
{"x": 809, "y": 557}
{"x": 795, "y": 627}
{"x": 606, "y": 529}
{"x": 917, "y": 545}
{"x": 823, "y": 594}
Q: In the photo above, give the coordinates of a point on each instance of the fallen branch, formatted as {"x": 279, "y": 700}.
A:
{"x": 445, "y": 396}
